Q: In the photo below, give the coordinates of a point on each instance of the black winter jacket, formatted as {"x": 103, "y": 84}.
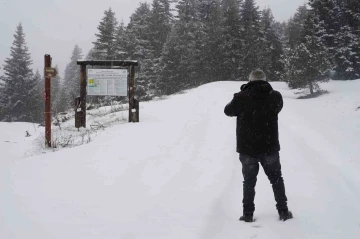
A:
{"x": 256, "y": 107}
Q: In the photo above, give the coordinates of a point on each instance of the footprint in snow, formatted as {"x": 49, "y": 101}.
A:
{"x": 257, "y": 226}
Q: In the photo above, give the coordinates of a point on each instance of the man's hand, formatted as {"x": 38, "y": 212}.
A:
{"x": 243, "y": 87}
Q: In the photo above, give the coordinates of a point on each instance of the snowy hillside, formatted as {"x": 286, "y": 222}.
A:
{"x": 177, "y": 175}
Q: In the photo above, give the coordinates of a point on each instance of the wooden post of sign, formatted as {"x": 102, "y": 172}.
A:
{"x": 132, "y": 102}
{"x": 47, "y": 102}
{"x": 83, "y": 84}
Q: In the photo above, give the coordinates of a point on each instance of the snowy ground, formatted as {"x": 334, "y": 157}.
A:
{"x": 177, "y": 175}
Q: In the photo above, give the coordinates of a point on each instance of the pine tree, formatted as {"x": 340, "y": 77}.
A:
{"x": 295, "y": 27}
{"x": 140, "y": 49}
{"x": 20, "y": 60}
{"x": 252, "y": 37}
{"x": 90, "y": 55}
{"x": 104, "y": 46}
{"x": 327, "y": 13}
{"x": 180, "y": 58}
{"x": 309, "y": 62}
{"x": 160, "y": 23}
{"x": 19, "y": 98}
{"x": 169, "y": 66}
{"x": 36, "y": 97}
{"x": 71, "y": 83}
{"x": 231, "y": 46}
{"x": 156, "y": 25}
{"x": 120, "y": 43}
{"x": 211, "y": 55}
{"x": 347, "y": 55}
{"x": 341, "y": 22}
{"x": 2, "y": 93}
{"x": 138, "y": 32}
{"x": 351, "y": 11}
{"x": 325, "y": 10}
{"x": 271, "y": 61}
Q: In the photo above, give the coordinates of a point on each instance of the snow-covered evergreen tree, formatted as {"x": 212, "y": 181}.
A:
{"x": 181, "y": 56}
{"x": 71, "y": 83}
{"x": 231, "y": 45}
{"x": 139, "y": 48}
{"x": 156, "y": 25}
{"x": 341, "y": 21}
{"x": 347, "y": 55}
{"x": 252, "y": 37}
{"x": 270, "y": 60}
{"x": 20, "y": 60}
{"x": 90, "y": 55}
{"x": 121, "y": 52}
{"x": 19, "y": 97}
{"x": 2, "y": 107}
{"x": 295, "y": 27}
{"x": 138, "y": 32}
{"x": 169, "y": 79}
{"x": 325, "y": 10}
{"x": 351, "y": 11}
{"x": 309, "y": 62}
{"x": 104, "y": 46}
{"x": 36, "y": 94}
{"x": 209, "y": 66}
{"x": 160, "y": 23}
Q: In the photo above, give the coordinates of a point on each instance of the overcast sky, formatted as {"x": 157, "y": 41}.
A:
{"x": 55, "y": 26}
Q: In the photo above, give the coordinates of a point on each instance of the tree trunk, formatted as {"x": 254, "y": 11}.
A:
{"x": 311, "y": 87}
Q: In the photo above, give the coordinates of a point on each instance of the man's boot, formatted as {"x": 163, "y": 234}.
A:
{"x": 285, "y": 215}
{"x": 247, "y": 217}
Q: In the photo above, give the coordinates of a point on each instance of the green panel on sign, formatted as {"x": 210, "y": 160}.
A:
{"x": 91, "y": 83}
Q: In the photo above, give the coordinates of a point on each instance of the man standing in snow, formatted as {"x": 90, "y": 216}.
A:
{"x": 257, "y": 107}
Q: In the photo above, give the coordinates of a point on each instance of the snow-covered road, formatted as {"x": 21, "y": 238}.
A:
{"x": 177, "y": 175}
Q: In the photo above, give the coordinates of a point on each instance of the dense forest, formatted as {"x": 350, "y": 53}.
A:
{"x": 182, "y": 44}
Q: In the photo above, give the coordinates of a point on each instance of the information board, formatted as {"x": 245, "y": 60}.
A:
{"x": 112, "y": 82}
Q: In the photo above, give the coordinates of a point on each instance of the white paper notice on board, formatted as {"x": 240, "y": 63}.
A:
{"x": 112, "y": 82}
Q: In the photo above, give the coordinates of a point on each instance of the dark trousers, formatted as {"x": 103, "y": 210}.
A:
{"x": 272, "y": 168}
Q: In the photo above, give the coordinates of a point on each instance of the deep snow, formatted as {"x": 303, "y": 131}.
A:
{"x": 176, "y": 173}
